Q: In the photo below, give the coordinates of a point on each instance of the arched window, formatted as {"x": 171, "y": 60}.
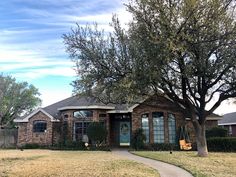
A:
{"x": 172, "y": 128}
{"x": 83, "y": 114}
{"x": 158, "y": 127}
{"x": 145, "y": 126}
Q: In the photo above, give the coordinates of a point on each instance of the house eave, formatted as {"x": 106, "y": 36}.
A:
{"x": 118, "y": 111}
{"x": 85, "y": 107}
{"x": 231, "y": 123}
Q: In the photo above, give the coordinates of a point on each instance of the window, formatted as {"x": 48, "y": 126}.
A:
{"x": 172, "y": 128}
{"x": 230, "y": 130}
{"x": 158, "y": 127}
{"x": 83, "y": 114}
{"x": 80, "y": 130}
{"x": 145, "y": 126}
{"x": 39, "y": 126}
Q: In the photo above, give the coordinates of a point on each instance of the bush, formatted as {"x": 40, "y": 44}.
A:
{"x": 216, "y": 132}
{"x": 97, "y": 133}
{"x": 138, "y": 140}
{"x": 69, "y": 145}
{"x": 31, "y": 146}
{"x": 222, "y": 144}
{"x": 164, "y": 147}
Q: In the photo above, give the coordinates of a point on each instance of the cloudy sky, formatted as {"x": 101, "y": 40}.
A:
{"x": 31, "y": 45}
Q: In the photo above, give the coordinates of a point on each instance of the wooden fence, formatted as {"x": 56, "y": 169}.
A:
{"x": 8, "y": 138}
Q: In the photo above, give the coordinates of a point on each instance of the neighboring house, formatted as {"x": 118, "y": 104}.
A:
{"x": 229, "y": 122}
{"x": 159, "y": 117}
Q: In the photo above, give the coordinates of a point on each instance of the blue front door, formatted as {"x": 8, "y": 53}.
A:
{"x": 124, "y": 133}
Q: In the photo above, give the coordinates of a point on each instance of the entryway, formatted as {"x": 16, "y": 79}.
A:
{"x": 120, "y": 130}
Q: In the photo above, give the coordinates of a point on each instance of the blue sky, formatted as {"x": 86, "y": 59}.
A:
{"x": 31, "y": 45}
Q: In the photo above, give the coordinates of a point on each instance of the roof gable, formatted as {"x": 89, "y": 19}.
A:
{"x": 26, "y": 119}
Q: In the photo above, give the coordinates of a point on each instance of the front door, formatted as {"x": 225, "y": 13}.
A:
{"x": 124, "y": 133}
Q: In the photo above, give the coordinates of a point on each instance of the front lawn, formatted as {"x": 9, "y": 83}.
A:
{"x": 69, "y": 163}
{"x": 216, "y": 164}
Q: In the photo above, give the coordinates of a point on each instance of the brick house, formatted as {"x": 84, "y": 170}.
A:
{"x": 159, "y": 117}
{"x": 229, "y": 122}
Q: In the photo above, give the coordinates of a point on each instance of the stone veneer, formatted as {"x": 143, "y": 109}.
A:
{"x": 27, "y": 136}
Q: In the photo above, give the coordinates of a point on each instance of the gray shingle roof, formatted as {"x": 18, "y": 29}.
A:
{"x": 77, "y": 101}
{"x": 228, "y": 119}
{"x": 73, "y": 101}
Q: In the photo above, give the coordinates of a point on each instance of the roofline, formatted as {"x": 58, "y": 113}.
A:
{"x": 134, "y": 106}
{"x": 213, "y": 118}
{"x": 207, "y": 118}
{"x": 119, "y": 111}
{"x": 26, "y": 119}
{"x": 232, "y": 123}
{"x": 85, "y": 107}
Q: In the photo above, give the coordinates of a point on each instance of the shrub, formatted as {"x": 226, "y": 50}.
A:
{"x": 69, "y": 145}
{"x": 97, "y": 133}
{"x": 31, "y": 146}
{"x": 138, "y": 139}
{"x": 216, "y": 132}
{"x": 222, "y": 144}
{"x": 164, "y": 146}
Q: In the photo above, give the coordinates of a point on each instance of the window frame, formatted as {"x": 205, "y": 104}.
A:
{"x": 171, "y": 135}
{"x": 146, "y": 129}
{"x": 81, "y": 116}
{"x": 39, "y": 128}
{"x": 79, "y": 131}
{"x": 158, "y": 130}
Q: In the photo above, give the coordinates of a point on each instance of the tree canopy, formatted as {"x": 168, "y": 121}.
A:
{"x": 185, "y": 49}
{"x": 16, "y": 98}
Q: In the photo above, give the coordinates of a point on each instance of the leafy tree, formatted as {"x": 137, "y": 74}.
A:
{"x": 16, "y": 98}
{"x": 182, "y": 48}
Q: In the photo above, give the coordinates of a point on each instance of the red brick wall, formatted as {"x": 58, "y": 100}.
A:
{"x": 233, "y": 130}
{"x": 72, "y": 120}
{"x": 27, "y": 136}
{"x": 160, "y": 104}
{"x": 211, "y": 123}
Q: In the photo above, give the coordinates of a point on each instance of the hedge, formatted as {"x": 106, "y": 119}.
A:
{"x": 222, "y": 144}
{"x": 216, "y": 132}
{"x": 164, "y": 147}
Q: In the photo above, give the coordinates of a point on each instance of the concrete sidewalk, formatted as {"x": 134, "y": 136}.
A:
{"x": 165, "y": 169}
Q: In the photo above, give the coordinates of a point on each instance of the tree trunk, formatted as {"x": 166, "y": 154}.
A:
{"x": 201, "y": 140}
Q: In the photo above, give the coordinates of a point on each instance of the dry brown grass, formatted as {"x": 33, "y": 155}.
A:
{"x": 69, "y": 163}
{"x": 216, "y": 164}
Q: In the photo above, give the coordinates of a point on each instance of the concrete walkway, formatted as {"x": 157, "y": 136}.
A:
{"x": 165, "y": 169}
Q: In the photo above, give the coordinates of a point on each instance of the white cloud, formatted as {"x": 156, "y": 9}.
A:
{"x": 39, "y": 73}
{"x": 52, "y": 96}
{"x": 31, "y": 46}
